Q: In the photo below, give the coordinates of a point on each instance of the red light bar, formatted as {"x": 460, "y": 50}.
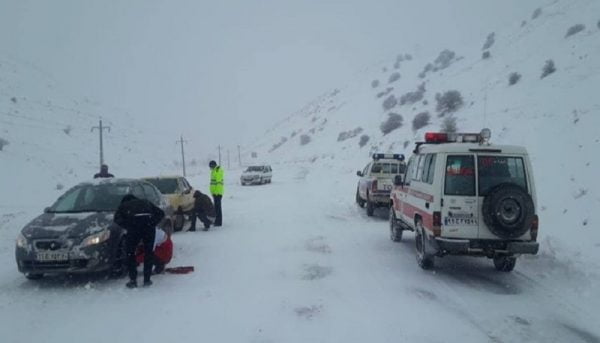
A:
{"x": 436, "y": 137}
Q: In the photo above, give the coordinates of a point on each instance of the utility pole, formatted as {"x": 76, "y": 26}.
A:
{"x": 101, "y": 129}
{"x": 228, "y": 160}
{"x": 219, "y": 154}
{"x": 239, "y": 156}
{"x": 181, "y": 141}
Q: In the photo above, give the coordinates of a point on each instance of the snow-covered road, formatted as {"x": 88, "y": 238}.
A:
{"x": 298, "y": 261}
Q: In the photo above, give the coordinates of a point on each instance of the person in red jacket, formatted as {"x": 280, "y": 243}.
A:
{"x": 163, "y": 251}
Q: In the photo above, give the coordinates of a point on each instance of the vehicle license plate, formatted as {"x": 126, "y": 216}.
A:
{"x": 52, "y": 256}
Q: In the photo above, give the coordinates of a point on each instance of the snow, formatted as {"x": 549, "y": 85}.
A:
{"x": 297, "y": 260}
{"x": 289, "y": 266}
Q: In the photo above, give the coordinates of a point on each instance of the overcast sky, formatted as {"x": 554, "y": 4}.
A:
{"x": 220, "y": 71}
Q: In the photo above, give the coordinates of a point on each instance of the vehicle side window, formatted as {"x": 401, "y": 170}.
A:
{"x": 426, "y": 167}
{"x": 431, "y": 170}
{"x": 409, "y": 171}
{"x": 186, "y": 184}
{"x": 366, "y": 170}
{"x": 460, "y": 175}
{"x": 151, "y": 194}
{"x": 418, "y": 171}
{"x": 138, "y": 191}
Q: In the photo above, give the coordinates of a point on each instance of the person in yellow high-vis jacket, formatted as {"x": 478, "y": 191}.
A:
{"x": 217, "y": 188}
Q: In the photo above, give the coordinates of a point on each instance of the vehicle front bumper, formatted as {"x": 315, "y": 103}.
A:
{"x": 254, "y": 180}
{"x": 96, "y": 258}
{"x": 485, "y": 247}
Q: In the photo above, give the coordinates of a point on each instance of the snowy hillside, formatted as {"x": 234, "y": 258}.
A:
{"x": 49, "y": 145}
{"x": 500, "y": 85}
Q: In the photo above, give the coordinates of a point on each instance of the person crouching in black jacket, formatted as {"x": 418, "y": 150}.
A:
{"x": 139, "y": 217}
{"x": 200, "y": 211}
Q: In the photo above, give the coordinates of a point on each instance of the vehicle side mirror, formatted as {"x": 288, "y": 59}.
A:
{"x": 398, "y": 180}
{"x": 187, "y": 191}
{"x": 359, "y": 173}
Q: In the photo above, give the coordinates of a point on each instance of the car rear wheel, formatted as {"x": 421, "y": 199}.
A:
{"x": 178, "y": 221}
{"x": 359, "y": 201}
{"x": 505, "y": 263}
{"x": 424, "y": 260}
{"x": 395, "y": 229}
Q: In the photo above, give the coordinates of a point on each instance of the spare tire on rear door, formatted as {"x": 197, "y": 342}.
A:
{"x": 508, "y": 210}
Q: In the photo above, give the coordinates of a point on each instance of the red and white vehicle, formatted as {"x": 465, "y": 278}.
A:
{"x": 377, "y": 180}
{"x": 462, "y": 195}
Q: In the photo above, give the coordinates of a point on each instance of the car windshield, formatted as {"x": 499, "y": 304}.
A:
{"x": 254, "y": 169}
{"x": 91, "y": 198}
{"x": 165, "y": 186}
{"x": 387, "y": 168}
{"x": 494, "y": 170}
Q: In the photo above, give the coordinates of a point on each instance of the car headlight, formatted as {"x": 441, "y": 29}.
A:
{"x": 96, "y": 238}
{"x": 22, "y": 241}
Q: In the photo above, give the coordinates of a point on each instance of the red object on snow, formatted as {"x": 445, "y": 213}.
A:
{"x": 163, "y": 252}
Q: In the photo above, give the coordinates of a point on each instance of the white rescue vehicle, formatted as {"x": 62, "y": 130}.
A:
{"x": 377, "y": 180}
{"x": 462, "y": 195}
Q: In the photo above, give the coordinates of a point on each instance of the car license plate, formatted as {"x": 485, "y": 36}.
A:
{"x": 52, "y": 256}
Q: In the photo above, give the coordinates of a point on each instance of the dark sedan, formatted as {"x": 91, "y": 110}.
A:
{"x": 77, "y": 234}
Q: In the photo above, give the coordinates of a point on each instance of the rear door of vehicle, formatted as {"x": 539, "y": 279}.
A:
{"x": 493, "y": 170}
{"x": 363, "y": 182}
{"x": 460, "y": 210}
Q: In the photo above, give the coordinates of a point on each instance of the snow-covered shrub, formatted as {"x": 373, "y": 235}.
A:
{"x": 3, "y": 143}
{"x": 536, "y": 13}
{"x": 394, "y": 77}
{"x": 490, "y": 40}
{"x": 393, "y": 122}
{"x": 67, "y": 130}
{"x": 413, "y": 97}
{"x": 575, "y": 29}
{"x": 304, "y": 139}
{"x": 598, "y": 24}
{"x": 449, "y": 125}
{"x": 486, "y": 55}
{"x": 448, "y": 102}
{"x": 397, "y": 64}
{"x": 278, "y": 144}
{"x": 390, "y": 102}
{"x": 406, "y": 144}
{"x": 364, "y": 139}
{"x": 349, "y": 134}
{"x": 548, "y": 68}
{"x": 445, "y": 59}
{"x": 59, "y": 186}
{"x": 420, "y": 120}
{"x": 513, "y": 78}
{"x": 523, "y": 23}
{"x": 408, "y": 57}
{"x": 14, "y": 100}
{"x": 375, "y": 83}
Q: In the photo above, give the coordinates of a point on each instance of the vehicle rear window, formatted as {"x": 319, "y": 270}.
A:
{"x": 254, "y": 169}
{"x": 494, "y": 170}
{"x": 460, "y": 175}
{"x": 165, "y": 186}
{"x": 387, "y": 168}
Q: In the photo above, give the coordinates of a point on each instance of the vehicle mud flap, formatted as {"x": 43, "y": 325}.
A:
{"x": 508, "y": 211}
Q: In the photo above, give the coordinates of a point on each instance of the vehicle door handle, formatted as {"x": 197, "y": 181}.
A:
{"x": 426, "y": 205}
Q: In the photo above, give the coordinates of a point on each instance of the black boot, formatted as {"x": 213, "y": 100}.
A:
{"x": 131, "y": 284}
{"x": 147, "y": 283}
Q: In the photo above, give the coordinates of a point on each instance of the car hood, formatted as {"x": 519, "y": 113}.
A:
{"x": 51, "y": 225}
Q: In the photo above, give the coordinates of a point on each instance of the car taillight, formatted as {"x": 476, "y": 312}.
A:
{"x": 534, "y": 227}
{"x": 437, "y": 223}
{"x": 374, "y": 186}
